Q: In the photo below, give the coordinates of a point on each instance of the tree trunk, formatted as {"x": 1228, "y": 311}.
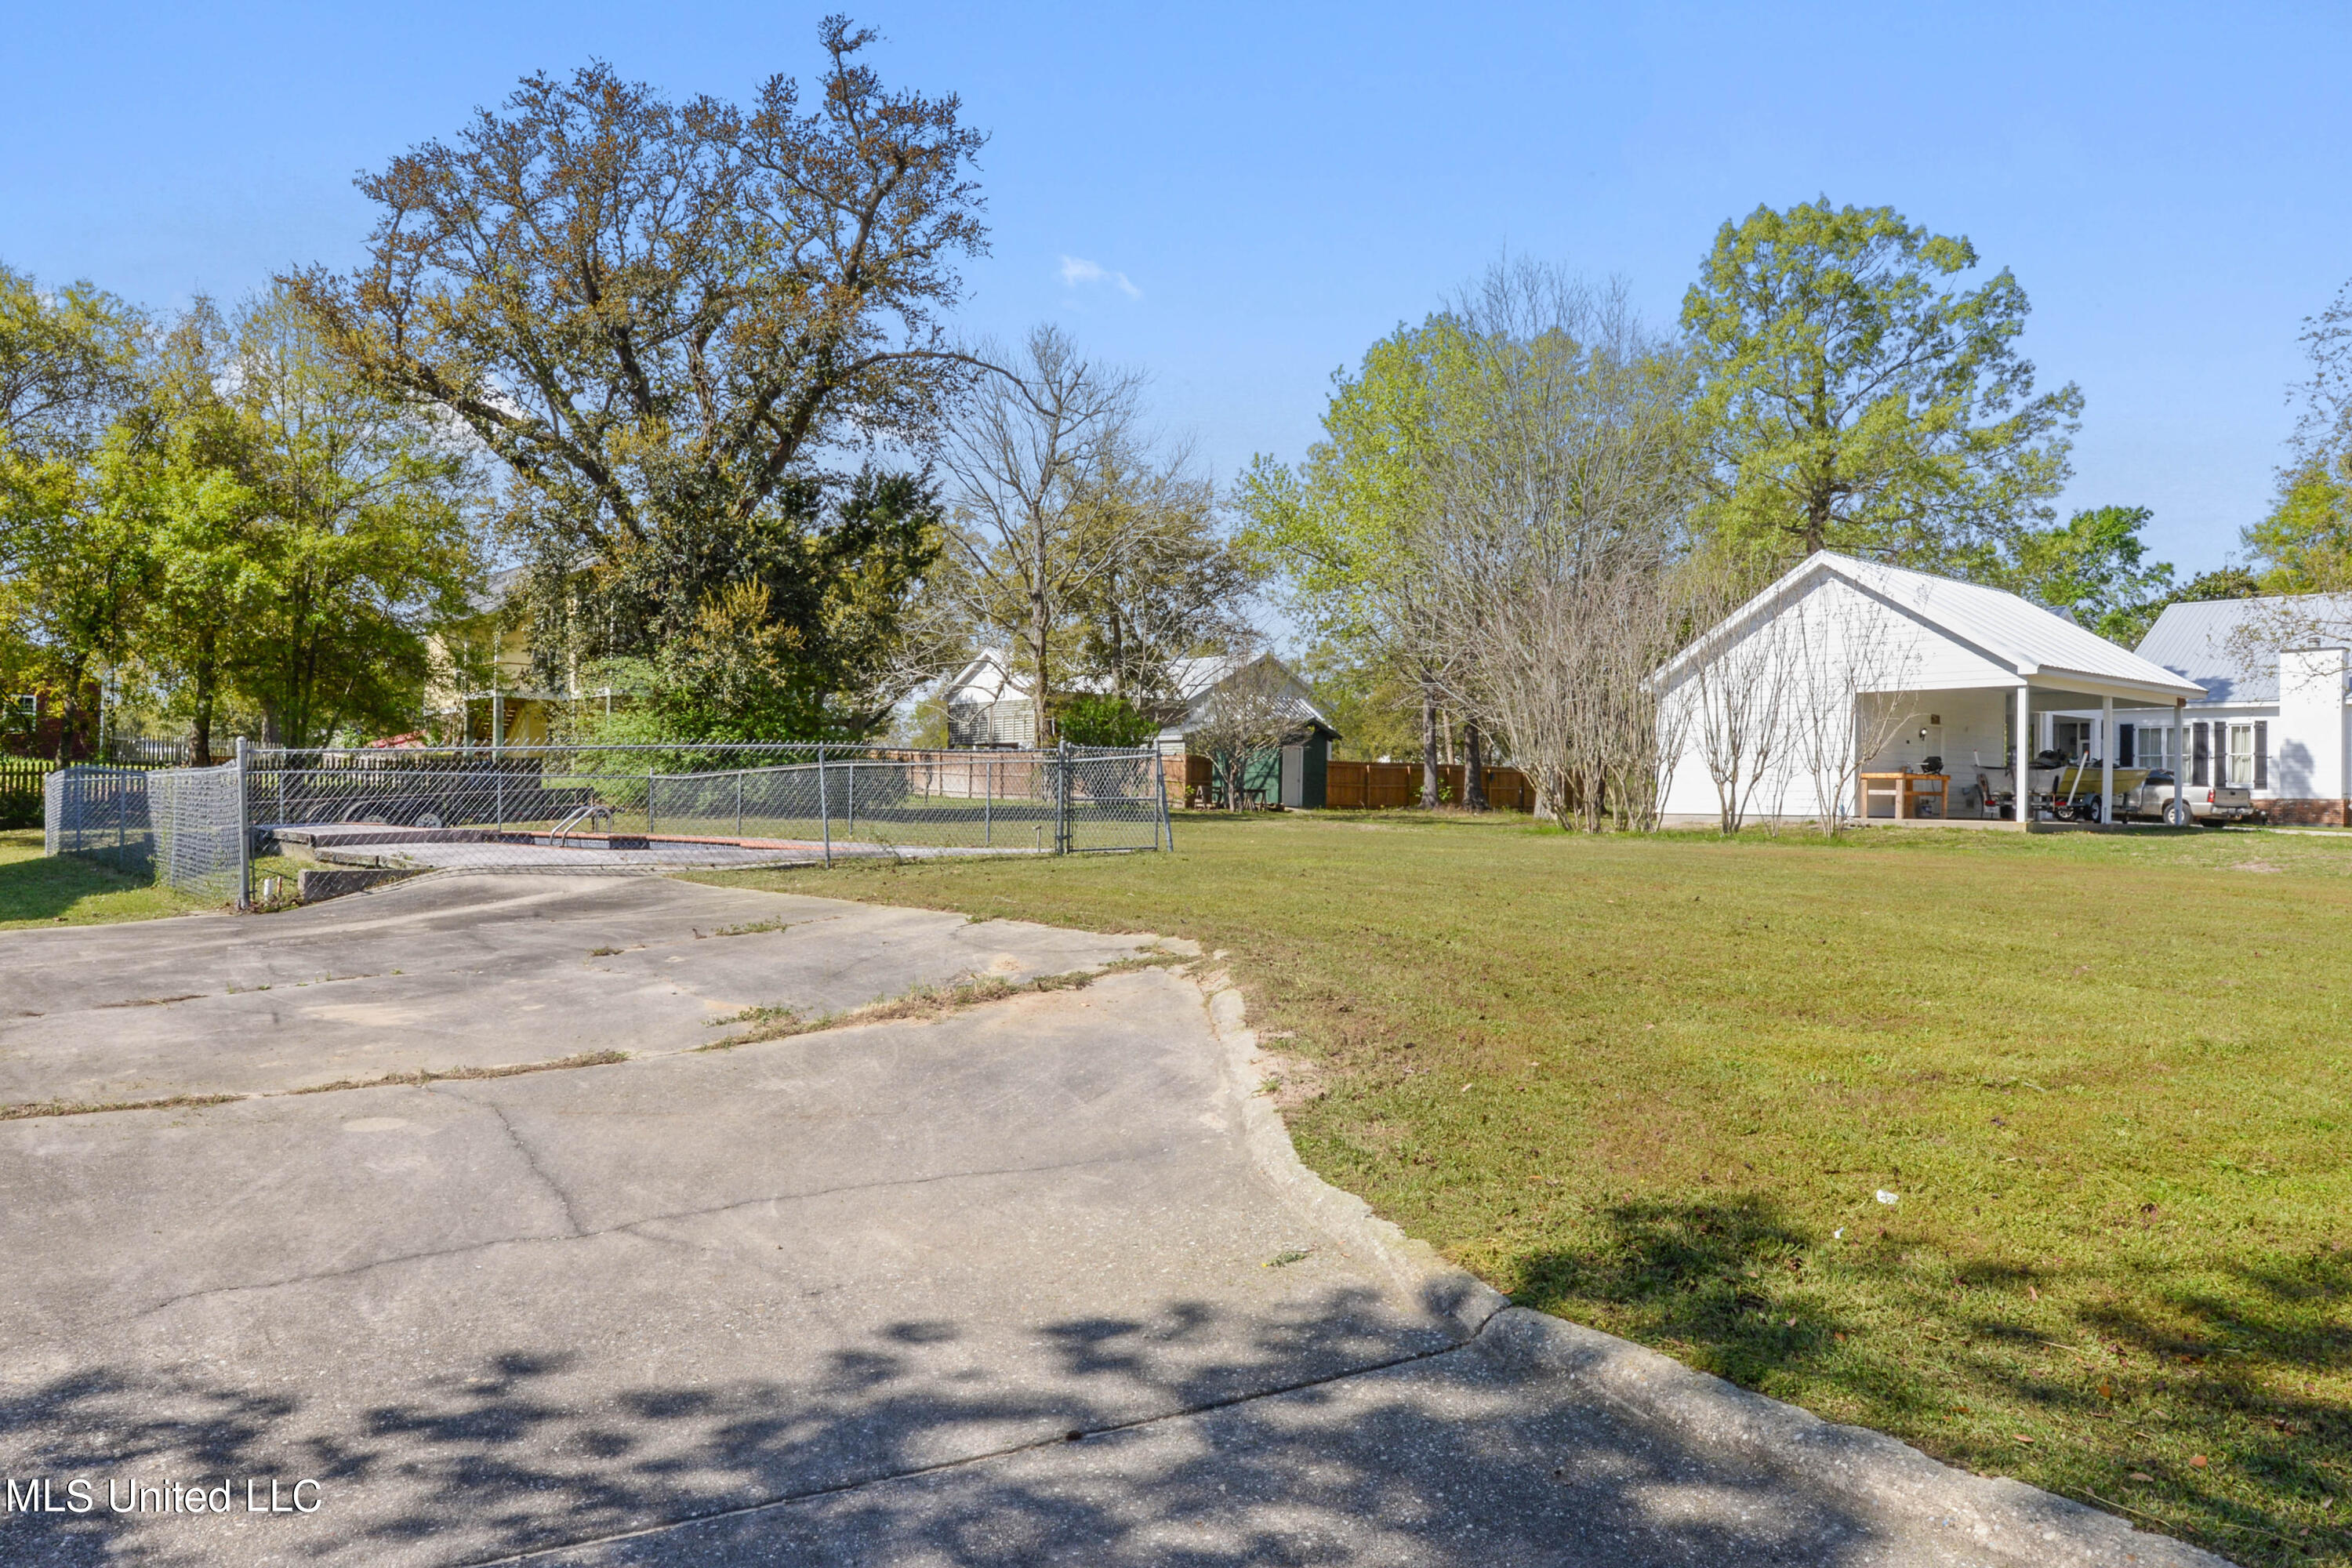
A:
{"x": 1040, "y": 634}
{"x": 1428, "y": 743}
{"x": 1118, "y": 638}
{"x": 201, "y": 749}
{"x": 1473, "y": 767}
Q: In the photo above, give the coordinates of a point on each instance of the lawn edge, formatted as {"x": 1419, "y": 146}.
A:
{"x": 2015, "y": 1521}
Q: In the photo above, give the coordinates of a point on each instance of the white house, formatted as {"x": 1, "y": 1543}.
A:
{"x": 1844, "y": 668}
{"x": 2275, "y": 722}
{"x": 988, "y": 704}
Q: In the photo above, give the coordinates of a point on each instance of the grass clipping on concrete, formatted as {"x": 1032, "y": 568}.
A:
{"x": 925, "y": 1002}
{"x": 1656, "y": 1085}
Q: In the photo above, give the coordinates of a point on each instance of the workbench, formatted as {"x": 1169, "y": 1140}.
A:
{"x": 1910, "y": 792}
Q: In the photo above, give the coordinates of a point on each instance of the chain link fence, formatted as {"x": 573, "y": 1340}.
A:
{"x": 650, "y": 807}
{"x": 183, "y": 827}
{"x": 599, "y": 808}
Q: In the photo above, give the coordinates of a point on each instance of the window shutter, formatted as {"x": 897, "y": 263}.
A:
{"x": 2200, "y": 738}
{"x": 2122, "y": 745}
{"x": 2261, "y": 753}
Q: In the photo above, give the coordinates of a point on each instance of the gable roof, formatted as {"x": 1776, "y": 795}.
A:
{"x": 2010, "y": 630}
{"x": 2203, "y": 640}
{"x": 991, "y": 678}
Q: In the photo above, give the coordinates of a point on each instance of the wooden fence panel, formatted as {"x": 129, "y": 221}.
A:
{"x": 1390, "y": 786}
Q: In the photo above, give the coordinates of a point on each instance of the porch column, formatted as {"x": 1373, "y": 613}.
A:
{"x": 2023, "y": 758}
{"x": 498, "y": 719}
{"x": 2180, "y": 759}
{"x": 2106, "y": 759}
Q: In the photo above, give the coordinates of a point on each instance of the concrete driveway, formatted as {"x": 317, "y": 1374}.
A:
{"x": 1032, "y": 1281}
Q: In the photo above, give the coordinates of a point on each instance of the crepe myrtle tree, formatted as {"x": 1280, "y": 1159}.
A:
{"x": 1845, "y": 702}
{"x": 1561, "y": 485}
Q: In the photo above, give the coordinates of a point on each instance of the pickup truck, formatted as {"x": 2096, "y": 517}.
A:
{"x": 2152, "y": 799}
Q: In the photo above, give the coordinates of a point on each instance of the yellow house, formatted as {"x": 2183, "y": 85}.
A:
{"x": 485, "y": 687}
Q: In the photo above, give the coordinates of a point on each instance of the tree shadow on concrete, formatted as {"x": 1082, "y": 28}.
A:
{"x": 1260, "y": 1453}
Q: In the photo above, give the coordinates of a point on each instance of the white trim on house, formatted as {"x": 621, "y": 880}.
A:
{"x": 2293, "y": 708}
{"x": 2019, "y": 639}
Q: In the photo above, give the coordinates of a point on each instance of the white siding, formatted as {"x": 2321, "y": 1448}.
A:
{"x": 1830, "y": 626}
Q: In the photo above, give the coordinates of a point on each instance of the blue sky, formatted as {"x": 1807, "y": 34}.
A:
{"x": 1278, "y": 185}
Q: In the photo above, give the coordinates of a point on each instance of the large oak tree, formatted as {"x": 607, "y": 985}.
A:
{"x": 662, "y": 317}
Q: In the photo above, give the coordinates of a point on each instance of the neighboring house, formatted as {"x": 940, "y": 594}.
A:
{"x": 33, "y": 724}
{"x": 1842, "y": 648}
{"x": 2275, "y": 723}
{"x": 988, "y": 704}
{"x": 486, "y": 688}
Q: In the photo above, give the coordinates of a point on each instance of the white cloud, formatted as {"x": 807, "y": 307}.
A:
{"x": 1075, "y": 271}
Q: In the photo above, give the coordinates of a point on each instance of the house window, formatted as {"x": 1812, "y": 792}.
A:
{"x": 27, "y": 704}
{"x": 2151, "y": 747}
{"x": 2242, "y": 756}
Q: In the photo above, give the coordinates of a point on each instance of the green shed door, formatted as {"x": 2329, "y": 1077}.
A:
{"x": 1263, "y": 772}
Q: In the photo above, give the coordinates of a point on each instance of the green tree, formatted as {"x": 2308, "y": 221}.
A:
{"x": 1170, "y": 582}
{"x": 1105, "y": 721}
{"x": 69, "y": 363}
{"x": 2093, "y": 567}
{"x": 1856, "y": 401}
{"x": 656, "y": 316}
{"x": 1343, "y": 524}
{"x": 806, "y": 624}
{"x": 364, "y": 537}
{"x": 169, "y": 484}
{"x": 2304, "y": 543}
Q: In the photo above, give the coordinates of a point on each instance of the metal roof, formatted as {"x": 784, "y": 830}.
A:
{"x": 2229, "y": 646}
{"x": 991, "y": 673}
{"x": 2029, "y": 639}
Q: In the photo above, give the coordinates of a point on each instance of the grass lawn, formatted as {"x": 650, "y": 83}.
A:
{"x": 42, "y": 891}
{"x": 1656, "y": 1085}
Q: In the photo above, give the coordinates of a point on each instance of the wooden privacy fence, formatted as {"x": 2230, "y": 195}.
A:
{"x": 1376, "y": 786}
{"x": 1385, "y": 786}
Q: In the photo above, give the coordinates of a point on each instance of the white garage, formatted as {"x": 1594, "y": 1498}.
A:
{"x": 1881, "y": 693}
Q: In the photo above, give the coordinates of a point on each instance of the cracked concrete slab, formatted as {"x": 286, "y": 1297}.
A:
{"x": 1035, "y": 1280}
{"x": 454, "y": 973}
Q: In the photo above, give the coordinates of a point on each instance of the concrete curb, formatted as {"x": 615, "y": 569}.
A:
{"x": 1991, "y": 1520}
{"x": 1415, "y": 1269}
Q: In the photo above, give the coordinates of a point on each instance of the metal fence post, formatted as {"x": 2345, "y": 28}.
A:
{"x": 650, "y": 777}
{"x": 1062, "y": 798}
{"x": 823, "y": 805}
{"x": 1166, "y": 827}
{"x": 739, "y": 805}
{"x": 988, "y": 808}
{"x": 244, "y": 833}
